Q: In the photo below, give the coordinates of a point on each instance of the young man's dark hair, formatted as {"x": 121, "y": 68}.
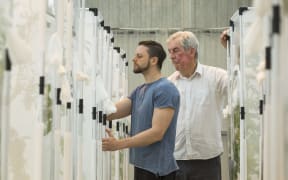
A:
{"x": 155, "y": 49}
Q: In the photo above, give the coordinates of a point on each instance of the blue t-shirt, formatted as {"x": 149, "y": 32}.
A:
{"x": 158, "y": 157}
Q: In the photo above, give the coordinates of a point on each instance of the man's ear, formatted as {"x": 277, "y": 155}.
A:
{"x": 154, "y": 60}
{"x": 193, "y": 51}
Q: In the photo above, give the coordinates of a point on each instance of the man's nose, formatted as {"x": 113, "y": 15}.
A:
{"x": 171, "y": 55}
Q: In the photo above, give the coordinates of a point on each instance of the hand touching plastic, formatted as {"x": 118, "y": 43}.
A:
{"x": 224, "y": 37}
{"x": 110, "y": 143}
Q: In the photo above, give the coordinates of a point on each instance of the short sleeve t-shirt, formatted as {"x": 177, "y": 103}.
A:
{"x": 158, "y": 157}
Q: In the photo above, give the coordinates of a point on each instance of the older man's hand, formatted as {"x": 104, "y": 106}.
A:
{"x": 224, "y": 37}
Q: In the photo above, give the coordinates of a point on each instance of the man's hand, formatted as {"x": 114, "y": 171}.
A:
{"x": 110, "y": 143}
{"x": 224, "y": 37}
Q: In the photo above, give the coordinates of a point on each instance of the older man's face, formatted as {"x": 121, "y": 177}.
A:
{"x": 181, "y": 58}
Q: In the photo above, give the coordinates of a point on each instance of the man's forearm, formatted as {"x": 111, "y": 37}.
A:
{"x": 123, "y": 109}
{"x": 144, "y": 138}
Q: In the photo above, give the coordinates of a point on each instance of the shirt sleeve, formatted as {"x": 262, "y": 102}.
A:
{"x": 167, "y": 96}
{"x": 222, "y": 82}
{"x": 222, "y": 85}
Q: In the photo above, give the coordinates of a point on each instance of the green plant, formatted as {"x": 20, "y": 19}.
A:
{"x": 47, "y": 110}
{"x": 236, "y": 143}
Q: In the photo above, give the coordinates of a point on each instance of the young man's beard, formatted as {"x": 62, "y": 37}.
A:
{"x": 141, "y": 69}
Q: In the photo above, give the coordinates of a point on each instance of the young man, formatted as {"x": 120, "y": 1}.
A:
{"x": 154, "y": 108}
{"x": 202, "y": 90}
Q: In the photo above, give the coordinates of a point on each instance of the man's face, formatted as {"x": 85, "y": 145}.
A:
{"x": 141, "y": 60}
{"x": 181, "y": 59}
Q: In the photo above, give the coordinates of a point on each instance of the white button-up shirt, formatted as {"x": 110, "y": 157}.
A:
{"x": 202, "y": 97}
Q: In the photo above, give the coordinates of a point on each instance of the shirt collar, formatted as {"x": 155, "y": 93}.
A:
{"x": 199, "y": 71}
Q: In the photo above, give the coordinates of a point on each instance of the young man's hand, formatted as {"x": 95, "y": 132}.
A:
{"x": 110, "y": 143}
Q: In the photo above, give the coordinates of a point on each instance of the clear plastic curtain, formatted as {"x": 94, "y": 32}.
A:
{"x": 69, "y": 130}
{"x": 266, "y": 149}
{"x": 284, "y": 45}
{"x": 5, "y": 12}
{"x": 249, "y": 93}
